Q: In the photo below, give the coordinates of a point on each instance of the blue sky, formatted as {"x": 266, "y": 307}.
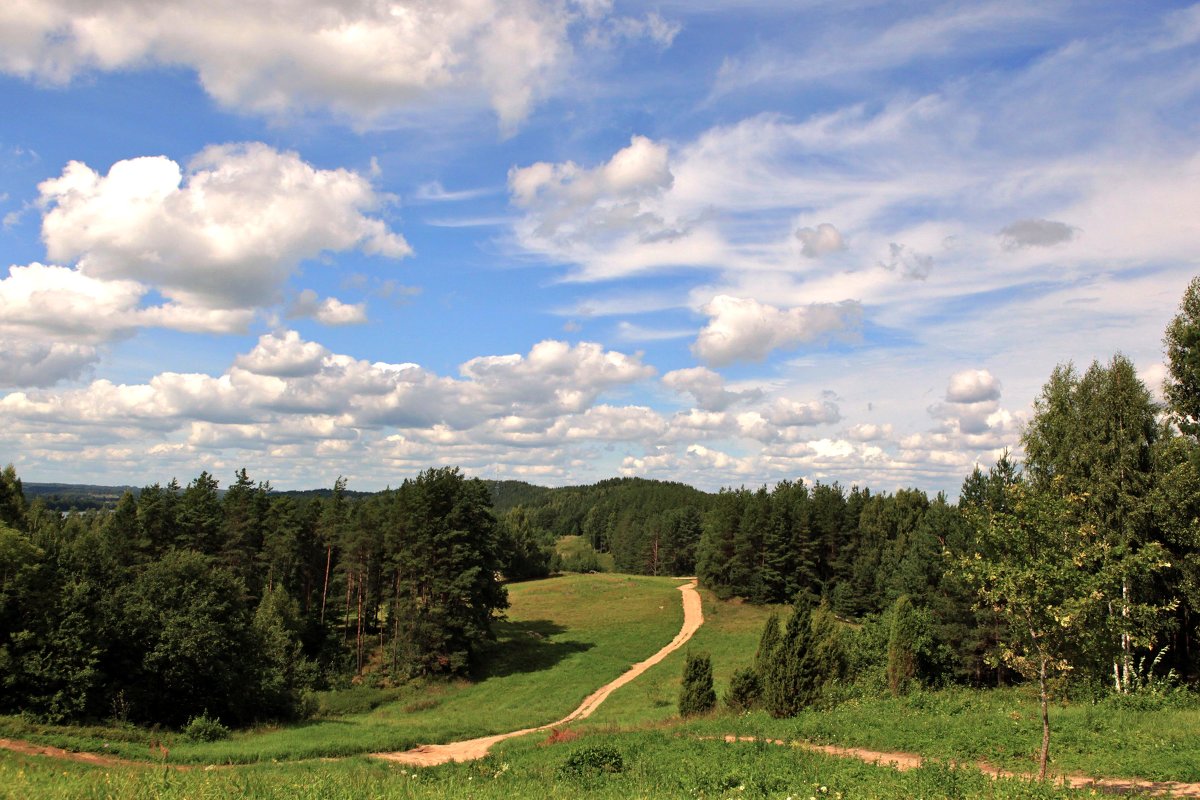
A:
{"x": 719, "y": 243}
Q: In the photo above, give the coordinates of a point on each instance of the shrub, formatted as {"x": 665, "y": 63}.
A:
{"x": 697, "y": 696}
{"x": 593, "y": 760}
{"x": 745, "y": 690}
{"x": 205, "y": 729}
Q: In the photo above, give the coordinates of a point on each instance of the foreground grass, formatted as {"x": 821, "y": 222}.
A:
{"x": 655, "y": 764}
{"x": 1000, "y": 726}
{"x": 564, "y": 638}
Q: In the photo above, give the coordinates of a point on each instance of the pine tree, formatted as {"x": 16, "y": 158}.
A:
{"x": 793, "y": 676}
{"x": 902, "y": 646}
{"x": 697, "y": 696}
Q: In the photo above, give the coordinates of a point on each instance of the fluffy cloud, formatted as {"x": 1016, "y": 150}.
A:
{"x": 43, "y": 301}
{"x": 225, "y": 235}
{"x": 569, "y": 206}
{"x": 820, "y": 241}
{"x": 707, "y": 388}
{"x": 329, "y": 311}
{"x": 792, "y": 413}
{"x": 286, "y": 356}
{"x": 363, "y": 60}
{"x": 25, "y": 363}
{"x": 972, "y": 408}
{"x": 742, "y": 329}
{"x": 284, "y": 375}
{"x": 972, "y": 386}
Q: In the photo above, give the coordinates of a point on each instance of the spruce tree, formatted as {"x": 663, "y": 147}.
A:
{"x": 697, "y": 696}
{"x": 793, "y": 677}
{"x": 902, "y": 644}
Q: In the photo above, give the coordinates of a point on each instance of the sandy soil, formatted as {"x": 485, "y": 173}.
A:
{"x": 430, "y": 754}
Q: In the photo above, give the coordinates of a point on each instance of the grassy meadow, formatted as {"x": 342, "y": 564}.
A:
{"x": 565, "y": 637}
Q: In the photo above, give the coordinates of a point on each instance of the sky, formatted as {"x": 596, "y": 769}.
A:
{"x": 560, "y": 241}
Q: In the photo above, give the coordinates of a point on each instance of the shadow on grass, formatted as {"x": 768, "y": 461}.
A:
{"x": 525, "y": 647}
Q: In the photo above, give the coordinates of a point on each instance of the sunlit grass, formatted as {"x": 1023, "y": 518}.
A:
{"x": 655, "y": 764}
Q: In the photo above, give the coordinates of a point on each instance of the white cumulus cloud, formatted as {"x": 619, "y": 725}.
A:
{"x": 224, "y": 234}
{"x": 362, "y": 61}
{"x": 743, "y": 329}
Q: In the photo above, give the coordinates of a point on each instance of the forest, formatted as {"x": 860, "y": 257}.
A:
{"x": 1077, "y": 569}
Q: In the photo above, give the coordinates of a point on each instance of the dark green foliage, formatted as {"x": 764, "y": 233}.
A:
{"x": 902, "y": 646}
{"x": 745, "y": 690}
{"x": 1182, "y": 340}
{"x": 186, "y": 619}
{"x": 445, "y": 567}
{"x": 525, "y": 551}
{"x": 696, "y": 695}
{"x": 283, "y": 670}
{"x": 793, "y": 674}
{"x": 768, "y": 643}
{"x": 592, "y": 761}
{"x": 12, "y": 499}
{"x": 650, "y": 527}
{"x": 205, "y": 729}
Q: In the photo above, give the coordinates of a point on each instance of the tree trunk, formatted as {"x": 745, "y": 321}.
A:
{"x": 325, "y": 588}
{"x": 1044, "y": 697}
{"x": 359, "y": 645}
{"x": 1126, "y": 640}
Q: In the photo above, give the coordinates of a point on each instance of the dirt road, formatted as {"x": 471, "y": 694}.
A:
{"x": 430, "y": 754}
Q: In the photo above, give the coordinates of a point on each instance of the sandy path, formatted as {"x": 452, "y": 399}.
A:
{"x": 430, "y": 754}
{"x": 907, "y": 761}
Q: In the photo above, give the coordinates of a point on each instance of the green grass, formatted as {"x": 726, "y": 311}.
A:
{"x": 576, "y": 550}
{"x": 1000, "y": 726}
{"x": 729, "y": 634}
{"x": 564, "y": 638}
{"x": 656, "y": 764}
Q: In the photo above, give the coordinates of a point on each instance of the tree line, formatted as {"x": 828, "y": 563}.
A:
{"x": 186, "y": 601}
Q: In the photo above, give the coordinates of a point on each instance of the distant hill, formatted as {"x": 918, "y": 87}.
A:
{"x": 75, "y": 496}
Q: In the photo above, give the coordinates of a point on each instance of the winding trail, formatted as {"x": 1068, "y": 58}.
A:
{"x": 427, "y": 755}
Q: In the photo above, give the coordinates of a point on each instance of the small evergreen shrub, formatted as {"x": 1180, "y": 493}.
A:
{"x": 745, "y": 690}
{"x": 592, "y": 761}
{"x": 205, "y": 729}
{"x": 697, "y": 695}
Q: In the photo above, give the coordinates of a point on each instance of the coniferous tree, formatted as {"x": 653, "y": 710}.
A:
{"x": 902, "y": 646}
{"x": 696, "y": 695}
{"x": 793, "y": 676}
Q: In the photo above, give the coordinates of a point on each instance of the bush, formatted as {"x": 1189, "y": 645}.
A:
{"x": 697, "y": 696}
{"x": 205, "y": 729}
{"x": 745, "y": 690}
{"x": 593, "y": 760}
